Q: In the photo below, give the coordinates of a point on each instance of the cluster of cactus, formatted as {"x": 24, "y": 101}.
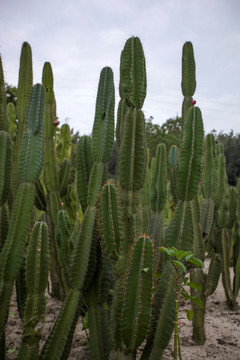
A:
{"x": 96, "y": 240}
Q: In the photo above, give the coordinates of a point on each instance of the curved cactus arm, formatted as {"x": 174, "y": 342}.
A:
{"x": 190, "y": 163}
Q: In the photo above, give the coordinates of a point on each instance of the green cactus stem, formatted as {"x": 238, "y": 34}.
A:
{"x": 37, "y": 268}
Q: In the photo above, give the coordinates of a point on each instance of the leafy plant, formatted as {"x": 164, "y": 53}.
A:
{"x": 180, "y": 264}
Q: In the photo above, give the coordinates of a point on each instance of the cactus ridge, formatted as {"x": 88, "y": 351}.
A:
{"x": 159, "y": 180}
{"x": 133, "y": 152}
{"x": 64, "y": 176}
{"x": 37, "y": 263}
{"x": 103, "y": 127}
{"x": 209, "y": 178}
{"x": 180, "y": 229}
{"x": 110, "y": 220}
{"x": 121, "y": 112}
{"x": 84, "y": 166}
{"x": 32, "y": 148}
{"x": 5, "y": 166}
{"x": 189, "y": 171}
{"x": 137, "y": 296}
{"x": 207, "y": 215}
{"x": 82, "y": 250}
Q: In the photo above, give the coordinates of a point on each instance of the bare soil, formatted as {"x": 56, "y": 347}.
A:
{"x": 221, "y": 324}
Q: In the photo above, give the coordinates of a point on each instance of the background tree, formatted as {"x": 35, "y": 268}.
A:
{"x": 168, "y": 133}
{"x": 11, "y": 93}
{"x": 231, "y": 143}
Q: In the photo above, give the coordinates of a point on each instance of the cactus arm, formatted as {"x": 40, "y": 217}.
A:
{"x": 137, "y": 297}
{"x": 55, "y": 344}
{"x": 25, "y": 84}
{"x": 191, "y": 155}
{"x": 103, "y": 128}
{"x": 32, "y": 150}
{"x": 13, "y": 250}
{"x": 133, "y": 152}
{"x": 110, "y": 220}
{"x": 133, "y": 80}
{"x": 37, "y": 267}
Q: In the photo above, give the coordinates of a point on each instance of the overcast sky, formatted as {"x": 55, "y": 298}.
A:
{"x": 80, "y": 37}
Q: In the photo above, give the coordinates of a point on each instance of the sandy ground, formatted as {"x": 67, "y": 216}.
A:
{"x": 222, "y": 332}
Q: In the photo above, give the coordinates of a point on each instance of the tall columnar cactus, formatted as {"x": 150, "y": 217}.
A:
{"x": 25, "y": 83}
{"x": 37, "y": 268}
{"x": 132, "y": 153}
{"x": 225, "y": 199}
{"x": 188, "y": 77}
{"x": 102, "y": 143}
{"x": 51, "y": 179}
{"x": 30, "y": 162}
{"x": 203, "y": 225}
{"x": 180, "y": 233}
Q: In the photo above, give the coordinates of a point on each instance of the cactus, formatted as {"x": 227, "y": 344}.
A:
{"x": 25, "y": 84}
{"x": 12, "y": 253}
{"x": 102, "y": 142}
{"x": 37, "y": 268}
{"x": 188, "y": 77}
